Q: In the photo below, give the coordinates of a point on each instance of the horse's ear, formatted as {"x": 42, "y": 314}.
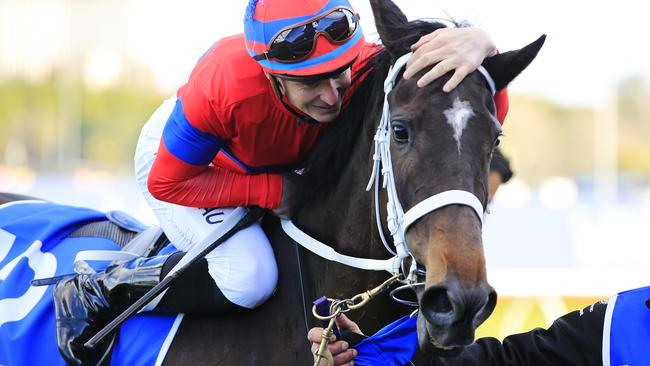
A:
{"x": 506, "y": 66}
{"x": 390, "y": 23}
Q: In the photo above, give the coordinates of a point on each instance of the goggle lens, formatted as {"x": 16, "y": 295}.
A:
{"x": 297, "y": 43}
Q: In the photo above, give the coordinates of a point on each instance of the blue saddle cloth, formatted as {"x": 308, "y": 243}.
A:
{"x": 393, "y": 345}
{"x": 33, "y": 245}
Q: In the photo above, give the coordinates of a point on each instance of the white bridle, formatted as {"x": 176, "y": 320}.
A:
{"x": 397, "y": 220}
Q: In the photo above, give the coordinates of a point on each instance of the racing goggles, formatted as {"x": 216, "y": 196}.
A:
{"x": 297, "y": 42}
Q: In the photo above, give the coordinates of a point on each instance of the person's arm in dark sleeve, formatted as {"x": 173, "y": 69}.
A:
{"x": 574, "y": 339}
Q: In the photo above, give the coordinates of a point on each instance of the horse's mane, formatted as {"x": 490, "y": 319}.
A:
{"x": 331, "y": 154}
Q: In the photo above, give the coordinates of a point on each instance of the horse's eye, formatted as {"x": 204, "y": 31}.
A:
{"x": 497, "y": 140}
{"x": 400, "y": 133}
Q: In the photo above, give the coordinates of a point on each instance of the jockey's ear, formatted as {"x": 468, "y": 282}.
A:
{"x": 276, "y": 84}
{"x": 506, "y": 66}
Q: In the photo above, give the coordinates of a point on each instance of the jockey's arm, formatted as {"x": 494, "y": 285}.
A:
{"x": 183, "y": 173}
{"x": 173, "y": 181}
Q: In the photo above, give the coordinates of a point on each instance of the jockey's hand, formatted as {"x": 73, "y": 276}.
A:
{"x": 283, "y": 211}
{"x": 460, "y": 50}
{"x": 341, "y": 351}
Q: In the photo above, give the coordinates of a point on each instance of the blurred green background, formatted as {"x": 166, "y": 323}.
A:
{"x": 109, "y": 121}
{"x": 544, "y": 138}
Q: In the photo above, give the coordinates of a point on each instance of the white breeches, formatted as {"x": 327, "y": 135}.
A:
{"x": 244, "y": 266}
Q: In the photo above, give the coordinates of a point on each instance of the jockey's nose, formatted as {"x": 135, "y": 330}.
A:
{"x": 330, "y": 91}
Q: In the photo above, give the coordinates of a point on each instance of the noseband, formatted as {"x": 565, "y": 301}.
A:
{"x": 397, "y": 220}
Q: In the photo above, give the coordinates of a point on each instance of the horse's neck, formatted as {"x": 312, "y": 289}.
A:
{"x": 344, "y": 219}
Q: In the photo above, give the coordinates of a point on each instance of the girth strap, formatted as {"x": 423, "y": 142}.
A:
{"x": 104, "y": 229}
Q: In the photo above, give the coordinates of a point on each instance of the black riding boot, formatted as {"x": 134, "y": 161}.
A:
{"x": 85, "y": 303}
{"x": 195, "y": 292}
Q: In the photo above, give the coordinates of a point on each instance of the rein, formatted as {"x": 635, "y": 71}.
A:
{"x": 398, "y": 221}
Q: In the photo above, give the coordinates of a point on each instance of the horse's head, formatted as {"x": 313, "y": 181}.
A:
{"x": 440, "y": 142}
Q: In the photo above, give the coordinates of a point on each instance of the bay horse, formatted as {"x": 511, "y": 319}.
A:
{"x": 439, "y": 142}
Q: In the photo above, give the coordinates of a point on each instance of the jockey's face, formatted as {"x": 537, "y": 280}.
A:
{"x": 321, "y": 100}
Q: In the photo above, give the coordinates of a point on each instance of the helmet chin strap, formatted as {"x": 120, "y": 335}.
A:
{"x": 302, "y": 117}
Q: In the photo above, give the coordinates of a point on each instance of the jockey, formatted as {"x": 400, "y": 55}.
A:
{"x": 253, "y": 107}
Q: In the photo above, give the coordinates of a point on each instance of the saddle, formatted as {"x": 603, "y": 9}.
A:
{"x": 134, "y": 238}
{"x": 129, "y": 233}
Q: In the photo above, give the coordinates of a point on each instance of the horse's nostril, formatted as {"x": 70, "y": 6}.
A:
{"x": 490, "y": 305}
{"x": 484, "y": 311}
{"x": 437, "y": 300}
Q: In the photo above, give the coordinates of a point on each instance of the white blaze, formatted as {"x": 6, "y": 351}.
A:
{"x": 457, "y": 117}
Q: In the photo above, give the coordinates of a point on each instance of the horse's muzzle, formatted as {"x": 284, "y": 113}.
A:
{"x": 449, "y": 314}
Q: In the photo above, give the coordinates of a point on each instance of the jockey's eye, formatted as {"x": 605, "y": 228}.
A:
{"x": 400, "y": 132}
